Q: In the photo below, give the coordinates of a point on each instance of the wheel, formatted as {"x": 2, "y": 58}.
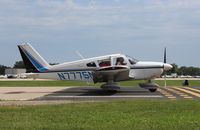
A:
{"x": 152, "y": 90}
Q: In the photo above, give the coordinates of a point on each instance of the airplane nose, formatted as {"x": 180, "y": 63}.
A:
{"x": 167, "y": 67}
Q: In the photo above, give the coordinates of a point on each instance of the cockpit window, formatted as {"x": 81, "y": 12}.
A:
{"x": 91, "y": 64}
{"x": 104, "y": 63}
{"x": 131, "y": 60}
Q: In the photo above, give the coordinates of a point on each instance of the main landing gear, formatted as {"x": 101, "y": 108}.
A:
{"x": 110, "y": 86}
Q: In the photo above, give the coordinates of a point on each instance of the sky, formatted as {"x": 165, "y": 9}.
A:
{"x": 138, "y": 28}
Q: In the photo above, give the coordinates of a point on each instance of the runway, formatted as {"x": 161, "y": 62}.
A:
{"x": 71, "y": 94}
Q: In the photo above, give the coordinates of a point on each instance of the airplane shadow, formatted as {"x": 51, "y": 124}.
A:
{"x": 93, "y": 91}
{"x": 65, "y": 94}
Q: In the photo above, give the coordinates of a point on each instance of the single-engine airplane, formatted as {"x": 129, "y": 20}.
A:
{"x": 109, "y": 69}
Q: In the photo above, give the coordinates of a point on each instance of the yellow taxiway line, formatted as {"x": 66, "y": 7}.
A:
{"x": 193, "y": 89}
{"x": 167, "y": 94}
{"x": 187, "y": 91}
{"x": 179, "y": 93}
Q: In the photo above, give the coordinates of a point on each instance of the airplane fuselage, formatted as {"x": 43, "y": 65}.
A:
{"x": 80, "y": 71}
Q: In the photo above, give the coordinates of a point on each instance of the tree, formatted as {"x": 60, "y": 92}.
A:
{"x": 182, "y": 70}
{"x": 175, "y": 68}
{"x": 2, "y": 69}
{"x": 19, "y": 64}
{"x": 193, "y": 71}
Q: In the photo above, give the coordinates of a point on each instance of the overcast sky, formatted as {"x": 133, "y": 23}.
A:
{"x": 139, "y": 28}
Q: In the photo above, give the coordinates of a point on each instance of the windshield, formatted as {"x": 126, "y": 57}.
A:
{"x": 132, "y": 60}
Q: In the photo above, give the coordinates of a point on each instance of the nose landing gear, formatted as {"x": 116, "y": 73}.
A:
{"x": 152, "y": 87}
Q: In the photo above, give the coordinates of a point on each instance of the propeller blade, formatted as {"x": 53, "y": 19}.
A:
{"x": 165, "y": 55}
{"x": 165, "y": 61}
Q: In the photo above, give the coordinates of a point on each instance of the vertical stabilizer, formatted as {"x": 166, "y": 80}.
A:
{"x": 32, "y": 59}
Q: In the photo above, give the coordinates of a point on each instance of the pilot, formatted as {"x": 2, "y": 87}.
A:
{"x": 120, "y": 61}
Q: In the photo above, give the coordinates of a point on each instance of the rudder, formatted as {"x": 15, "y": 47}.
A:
{"x": 32, "y": 59}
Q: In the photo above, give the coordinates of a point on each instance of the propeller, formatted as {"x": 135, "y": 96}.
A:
{"x": 165, "y": 61}
{"x": 166, "y": 66}
{"x": 165, "y": 55}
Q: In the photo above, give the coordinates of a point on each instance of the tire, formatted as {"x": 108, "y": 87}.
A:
{"x": 152, "y": 90}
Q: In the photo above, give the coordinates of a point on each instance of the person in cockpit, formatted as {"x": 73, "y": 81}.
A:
{"x": 120, "y": 61}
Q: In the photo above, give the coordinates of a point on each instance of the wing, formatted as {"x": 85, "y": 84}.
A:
{"x": 106, "y": 74}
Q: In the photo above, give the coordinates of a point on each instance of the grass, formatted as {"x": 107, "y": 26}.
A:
{"x": 73, "y": 83}
{"x": 139, "y": 115}
{"x": 178, "y": 82}
{"x": 132, "y": 114}
{"x": 40, "y": 83}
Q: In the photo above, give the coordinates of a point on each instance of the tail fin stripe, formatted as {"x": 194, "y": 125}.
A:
{"x": 38, "y": 66}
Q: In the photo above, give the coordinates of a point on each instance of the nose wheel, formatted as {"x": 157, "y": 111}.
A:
{"x": 152, "y": 87}
{"x": 152, "y": 90}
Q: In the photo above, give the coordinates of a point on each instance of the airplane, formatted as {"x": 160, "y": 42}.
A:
{"x": 108, "y": 69}
{"x": 3, "y": 76}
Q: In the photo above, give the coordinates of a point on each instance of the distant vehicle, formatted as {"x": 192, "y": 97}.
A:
{"x": 173, "y": 75}
{"x": 11, "y": 76}
{"x": 109, "y": 68}
{"x": 3, "y": 76}
{"x": 22, "y": 76}
{"x": 185, "y": 76}
{"x": 167, "y": 76}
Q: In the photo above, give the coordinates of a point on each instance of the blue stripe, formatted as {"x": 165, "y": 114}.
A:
{"x": 35, "y": 62}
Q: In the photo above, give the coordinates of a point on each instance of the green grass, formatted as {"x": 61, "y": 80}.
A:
{"x": 73, "y": 83}
{"x": 41, "y": 83}
{"x": 162, "y": 82}
{"x": 135, "y": 114}
{"x": 178, "y": 82}
{"x": 138, "y": 115}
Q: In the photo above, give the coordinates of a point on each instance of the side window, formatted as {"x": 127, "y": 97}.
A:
{"x": 120, "y": 61}
{"x": 104, "y": 63}
{"x": 91, "y": 64}
{"x": 132, "y": 62}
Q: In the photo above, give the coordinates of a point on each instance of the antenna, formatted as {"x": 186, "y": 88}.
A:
{"x": 82, "y": 57}
{"x": 79, "y": 54}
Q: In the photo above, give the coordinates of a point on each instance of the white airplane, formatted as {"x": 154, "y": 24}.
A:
{"x": 109, "y": 69}
{"x": 3, "y": 76}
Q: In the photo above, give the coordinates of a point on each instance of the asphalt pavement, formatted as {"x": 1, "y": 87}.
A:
{"x": 95, "y": 93}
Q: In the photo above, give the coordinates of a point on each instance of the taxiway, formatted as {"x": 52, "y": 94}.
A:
{"x": 73, "y": 94}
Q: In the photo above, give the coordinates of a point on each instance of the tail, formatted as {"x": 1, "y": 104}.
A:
{"x": 32, "y": 59}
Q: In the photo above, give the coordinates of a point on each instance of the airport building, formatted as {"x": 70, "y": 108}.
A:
{"x": 14, "y": 71}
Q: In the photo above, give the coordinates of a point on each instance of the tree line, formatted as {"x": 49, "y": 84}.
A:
{"x": 17, "y": 65}
{"x": 183, "y": 70}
